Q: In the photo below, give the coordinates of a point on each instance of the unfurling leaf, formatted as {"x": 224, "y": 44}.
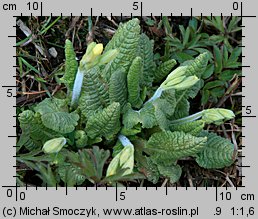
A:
{"x": 163, "y": 70}
{"x": 81, "y": 138}
{"x": 133, "y": 82}
{"x": 118, "y": 88}
{"x": 71, "y": 65}
{"x": 94, "y": 96}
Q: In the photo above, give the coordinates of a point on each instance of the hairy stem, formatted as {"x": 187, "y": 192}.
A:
{"x": 125, "y": 141}
{"x": 77, "y": 86}
{"x": 156, "y": 95}
{"x": 190, "y": 118}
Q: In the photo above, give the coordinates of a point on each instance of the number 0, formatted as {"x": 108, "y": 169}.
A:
{"x": 235, "y": 6}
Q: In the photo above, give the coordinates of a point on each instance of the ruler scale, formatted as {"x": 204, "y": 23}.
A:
{"x": 134, "y": 202}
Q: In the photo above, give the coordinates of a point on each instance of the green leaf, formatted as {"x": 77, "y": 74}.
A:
{"x": 81, "y": 138}
{"x": 133, "y": 82}
{"x": 130, "y": 117}
{"x": 218, "y": 23}
{"x": 217, "y": 92}
{"x": 217, "y": 59}
{"x": 105, "y": 122}
{"x": 150, "y": 170}
{"x": 71, "y": 174}
{"x": 126, "y": 40}
{"x": 71, "y": 65}
{"x": 94, "y": 94}
{"x": 208, "y": 71}
{"x": 145, "y": 51}
{"x": 61, "y": 122}
{"x": 50, "y": 105}
{"x": 118, "y": 88}
{"x": 233, "y": 24}
{"x": 227, "y": 75}
{"x": 46, "y": 175}
{"x": 172, "y": 172}
{"x": 90, "y": 162}
{"x": 163, "y": 70}
{"x": 186, "y": 36}
{"x": 181, "y": 57}
{"x": 198, "y": 65}
{"x": 216, "y": 38}
{"x": 232, "y": 61}
{"x": 205, "y": 96}
{"x": 34, "y": 133}
{"x": 213, "y": 84}
{"x": 99, "y": 158}
{"x": 182, "y": 105}
{"x": 218, "y": 152}
{"x": 147, "y": 116}
{"x": 168, "y": 147}
{"x": 194, "y": 128}
{"x": 55, "y": 115}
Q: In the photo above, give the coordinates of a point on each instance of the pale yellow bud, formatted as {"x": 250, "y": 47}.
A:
{"x": 54, "y": 145}
{"x": 217, "y": 115}
{"x": 108, "y": 56}
{"x": 98, "y": 49}
{"x": 124, "y": 159}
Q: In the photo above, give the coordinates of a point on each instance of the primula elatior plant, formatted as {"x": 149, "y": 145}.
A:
{"x": 118, "y": 99}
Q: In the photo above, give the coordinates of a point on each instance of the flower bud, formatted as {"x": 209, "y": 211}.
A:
{"x": 186, "y": 83}
{"x": 98, "y": 49}
{"x": 54, "y": 145}
{"x": 124, "y": 159}
{"x": 178, "y": 80}
{"x": 90, "y": 48}
{"x": 180, "y": 71}
{"x": 108, "y": 56}
{"x": 93, "y": 51}
{"x": 217, "y": 116}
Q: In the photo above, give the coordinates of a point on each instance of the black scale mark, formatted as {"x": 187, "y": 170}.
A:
{"x": 9, "y": 86}
{"x": 216, "y": 196}
{"x": 244, "y": 166}
{"x": 141, "y": 10}
{"x": 41, "y": 9}
{"x": 116, "y": 191}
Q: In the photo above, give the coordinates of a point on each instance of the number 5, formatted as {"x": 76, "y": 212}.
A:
{"x": 135, "y": 6}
